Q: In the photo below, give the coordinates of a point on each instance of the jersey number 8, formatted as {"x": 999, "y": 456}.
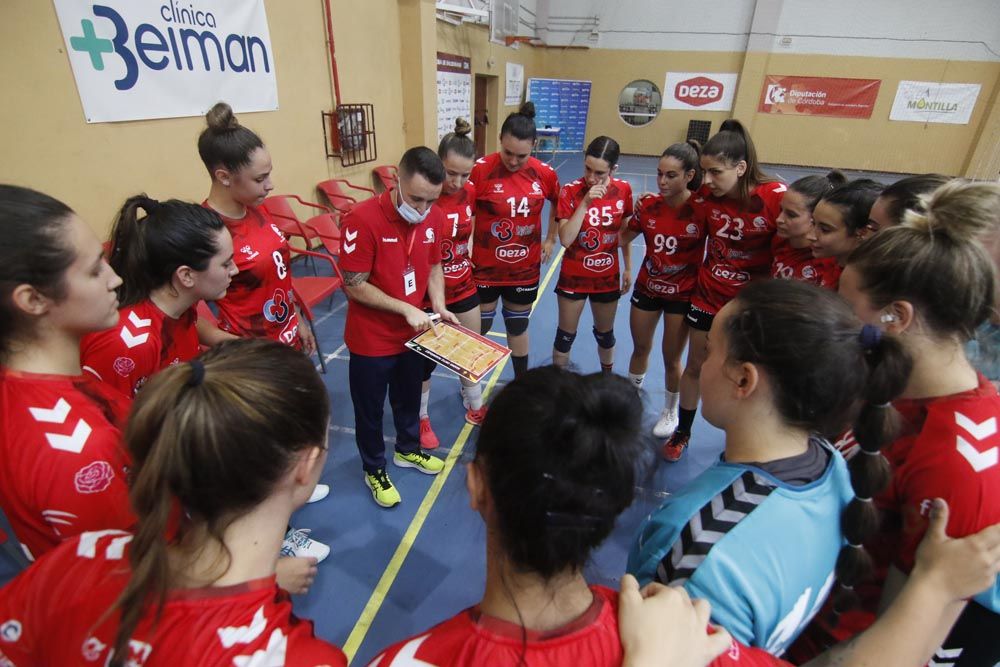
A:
{"x": 279, "y": 263}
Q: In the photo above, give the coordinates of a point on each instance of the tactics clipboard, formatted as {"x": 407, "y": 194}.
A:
{"x": 458, "y": 349}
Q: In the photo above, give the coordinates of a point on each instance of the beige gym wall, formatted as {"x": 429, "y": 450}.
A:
{"x": 48, "y": 145}
{"x": 873, "y": 144}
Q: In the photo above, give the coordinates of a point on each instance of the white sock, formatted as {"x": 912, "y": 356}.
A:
{"x": 636, "y": 379}
{"x": 473, "y": 396}
{"x": 425, "y": 397}
{"x": 672, "y": 400}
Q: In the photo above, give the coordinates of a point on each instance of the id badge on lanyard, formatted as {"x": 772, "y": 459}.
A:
{"x": 409, "y": 273}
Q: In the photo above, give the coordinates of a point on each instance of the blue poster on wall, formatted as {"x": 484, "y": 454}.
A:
{"x": 562, "y": 103}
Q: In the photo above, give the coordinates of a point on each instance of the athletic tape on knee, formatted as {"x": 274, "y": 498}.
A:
{"x": 516, "y": 321}
{"x": 605, "y": 339}
{"x": 564, "y": 340}
{"x": 486, "y": 320}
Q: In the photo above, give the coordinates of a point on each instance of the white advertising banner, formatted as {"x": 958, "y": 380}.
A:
{"x": 140, "y": 60}
{"x": 703, "y": 91}
{"x": 454, "y": 90}
{"x": 929, "y": 102}
{"x": 515, "y": 84}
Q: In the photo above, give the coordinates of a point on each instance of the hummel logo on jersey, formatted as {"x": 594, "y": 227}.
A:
{"x": 57, "y": 415}
{"x": 87, "y": 546}
{"x": 349, "y": 243}
{"x": 407, "y": 656}
{"x": 244, "y": 634}
{"x": 249, "y": 251}
{"x": 273, "y": 655}
{"x": 130, "y": 339}
{"x": 945, "y": 656}
{"x": 390, "y": 239}
{"x": 498, "y": 188}
{"x": 979, "y": 432}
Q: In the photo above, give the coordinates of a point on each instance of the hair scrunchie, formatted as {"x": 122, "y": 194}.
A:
{"x": 197, "y": 373}
{"x": 870, "y": 337}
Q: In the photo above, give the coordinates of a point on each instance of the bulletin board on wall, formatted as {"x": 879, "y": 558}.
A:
{"x": 562, "y": 103}
{"x": 454, "y": 91}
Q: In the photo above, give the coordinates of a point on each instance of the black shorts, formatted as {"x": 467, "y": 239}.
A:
{"x": 699, "y": 319}
{"x": 596, "y": 297}
{"x": 523, "y": 295}
{"x": 466, "y": 304}
{"x": 655, "y": 305}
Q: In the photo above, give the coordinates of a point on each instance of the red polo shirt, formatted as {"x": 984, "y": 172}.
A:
{"x": 377, "y": 241}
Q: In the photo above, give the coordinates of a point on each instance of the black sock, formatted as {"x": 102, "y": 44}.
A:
{"x": 685, "y": 419}
{"x": 520, "y": 364}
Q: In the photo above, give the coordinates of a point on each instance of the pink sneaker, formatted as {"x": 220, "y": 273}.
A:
{"x": 475, "y": 417}
{"x": 427, "y": 438}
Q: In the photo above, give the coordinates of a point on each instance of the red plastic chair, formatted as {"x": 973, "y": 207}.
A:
{"x": 327, "y": 230}
{"x": 288, "y": 221}
{"x": 310, "y": 291}
{"x": 387, "y": 176}
{"x": 338, "y": 197}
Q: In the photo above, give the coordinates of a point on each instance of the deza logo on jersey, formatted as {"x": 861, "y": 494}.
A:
{"x": 186, "y": 38}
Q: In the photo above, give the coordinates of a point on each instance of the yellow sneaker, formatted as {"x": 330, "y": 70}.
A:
{"x": 384, "y": 493}
{"x": 422, "y": 461}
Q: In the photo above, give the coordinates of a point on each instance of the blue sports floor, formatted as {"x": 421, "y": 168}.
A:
{"x": 393, "y": 573}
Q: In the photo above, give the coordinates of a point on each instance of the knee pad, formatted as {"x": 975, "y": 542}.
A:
{"x": 486, "y": 320}
{"x": 605, "y": 339}
{"x": 516, "y": 321}
{"x": 564, "y": 341}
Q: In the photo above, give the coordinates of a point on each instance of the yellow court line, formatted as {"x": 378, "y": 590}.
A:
{"x": 367, "y": 617}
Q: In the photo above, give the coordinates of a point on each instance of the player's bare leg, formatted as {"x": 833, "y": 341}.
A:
{"x": 690, "y": 393}
{"x": 642, "y": 324}
{"x": 472, "y": 392}
{"x": 569, "y": 319}
{"x": 675, "y": 336}
{"x": 604, "y": 332}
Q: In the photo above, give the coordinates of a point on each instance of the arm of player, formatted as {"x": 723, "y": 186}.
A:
{"x": 947, "y": 571}
{"x": 626, "y": 249}
{"x": 210, "y": 335}
{"x": 305, "y": 332}
{"x": 359, "y": 289}
{"x": 550, "y": 237}
{"x": 435, "y": 293}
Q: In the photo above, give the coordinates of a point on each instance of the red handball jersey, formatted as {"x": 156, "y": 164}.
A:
{"x": 675, "y": 246}
{"x": 377, "y": 241}
{"x": 472, "y": 639}
{"x": 62, "y": 464}
{"x": 799, "y": 264}
{"x": 506, "y": 248}
{"x": 49, "y": 616}
{"x": 260, "y": 302}
{"x": 145, "y": 341}
{"x": 739, "y": 244}
{"x": 456, "y": 232}
{"x": 590, "y": 264}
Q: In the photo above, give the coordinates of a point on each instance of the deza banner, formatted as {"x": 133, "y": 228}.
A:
{"x": 929, "y": 102}
{"x": 136, "y": 60}
{"x": 818, "y": 96}
{"x": 704, "y": 91}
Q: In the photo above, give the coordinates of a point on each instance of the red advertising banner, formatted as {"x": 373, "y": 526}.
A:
{"x": 818, "y": 96}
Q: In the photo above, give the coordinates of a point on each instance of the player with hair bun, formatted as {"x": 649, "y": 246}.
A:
{"x": 792, "y": 245}
{"x": 555, "y": 465}
{"x": 507, "y": 249}
{"x": 592, "y": 213}
{"x": 260, "y": 301}
{"x": 225, "y": 448}
{"x": 741, "y": 206}
{"x": 734, "y": 535}
{"x": 62, "y": 468}
{"x": 673, "y": 228}
{"x": 931, "y": 283}
{"x": 458, "y": 154}
{"x": 173, "y": 256}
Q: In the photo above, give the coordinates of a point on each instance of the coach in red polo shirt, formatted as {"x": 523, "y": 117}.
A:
{"x": 391, "y": 258}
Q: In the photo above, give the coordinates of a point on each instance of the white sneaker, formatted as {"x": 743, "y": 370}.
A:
{"x": 298, "y": 544}
{"x": 319, "y": 493}
{"x": 666, "y": 425}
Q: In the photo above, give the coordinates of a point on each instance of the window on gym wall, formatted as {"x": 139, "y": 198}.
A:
{"x": 639, "y": 102}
